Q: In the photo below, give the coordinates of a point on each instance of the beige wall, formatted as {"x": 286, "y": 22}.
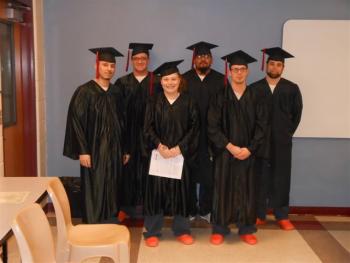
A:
{"x": 39, "y": 57}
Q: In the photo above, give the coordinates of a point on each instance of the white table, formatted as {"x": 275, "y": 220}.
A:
{"x": 36, "y": 186}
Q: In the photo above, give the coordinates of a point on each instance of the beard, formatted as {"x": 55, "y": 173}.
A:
{"x": 273, "y": 75}
{"x": 203, "y": 70}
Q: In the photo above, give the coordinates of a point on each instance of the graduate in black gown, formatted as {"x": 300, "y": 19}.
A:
{"x": 274, "y": 158}
{"x": 94, "y": 136}
{"x": 236, "y": 126}
{"x": 203, "y": 83}
{"x": 136, "y": 88}
{"x": 172, "y": 128}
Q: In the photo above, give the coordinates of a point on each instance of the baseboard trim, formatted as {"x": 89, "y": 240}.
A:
{"x": 343, "y": 211}
{"x": 301, "y": 210}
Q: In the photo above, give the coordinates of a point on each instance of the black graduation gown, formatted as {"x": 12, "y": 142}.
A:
{"x": 201, "y": 92}
{"x": 243, "y": 123}
{"x": 285, "y": 109}
{"x": 135, "y": 96}
{"x": 95, "y": 126}
{"x": 171, "y": 124}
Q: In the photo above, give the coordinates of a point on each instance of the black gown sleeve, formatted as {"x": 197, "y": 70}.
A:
{"x": 215, "y": 119}
{"x": 151, "y": 138}
{"x": 123, "y": 99}
{"x": 189, "y": 143}
{"x": 75, "y": 142}
{"x": 261, "y": 122}
{"x": 122, "y": 112}
{"x": 297, "y": 109}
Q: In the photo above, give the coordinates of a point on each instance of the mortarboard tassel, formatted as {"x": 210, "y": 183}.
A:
{"x": 225, "y": 78}
{"x": 193, "y": 57}
{"x": 97, "y": 66}
{"x": 263, "y": 59}
{"x": 151, "y": 84}
{"x": 127, "y": 62}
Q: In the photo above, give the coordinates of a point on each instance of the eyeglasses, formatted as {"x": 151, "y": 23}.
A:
{"x": 237, "y": 70}
{"x": 206, "y": 56}
{"x": 141, "y": 59}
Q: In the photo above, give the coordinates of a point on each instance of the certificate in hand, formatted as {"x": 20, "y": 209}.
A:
{"x": 170, "y": 168}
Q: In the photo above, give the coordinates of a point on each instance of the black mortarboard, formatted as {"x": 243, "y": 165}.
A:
{"x": 167, "y": 68}
{"x": 201, "y": 48}
{"x": 237, "y": 58}
{"x": 106, "y": 53}
{"x": 136, "y": 49}
{"x": 275, "y": 53}
{"x": 140, "y": 48}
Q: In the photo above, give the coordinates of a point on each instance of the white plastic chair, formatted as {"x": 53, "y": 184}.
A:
{"x": 78, "y": 242}
{"x": 33, "y": 235}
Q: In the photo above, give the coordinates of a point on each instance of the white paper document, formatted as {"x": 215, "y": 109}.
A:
{"x": 170, "y": 168}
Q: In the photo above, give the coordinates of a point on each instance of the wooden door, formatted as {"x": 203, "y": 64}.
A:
{"x": 18, "y": 95}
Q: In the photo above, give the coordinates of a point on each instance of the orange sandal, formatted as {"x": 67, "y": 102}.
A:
{"x": 152, "y": 241}
{"x": 216, "y": 239}
{"x": 249, "y": 239}
{"x": 185, "y": 239}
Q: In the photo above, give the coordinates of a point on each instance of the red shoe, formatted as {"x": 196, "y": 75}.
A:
{"x": 216, "y": 239}
{"x": 152, "y": 241}
{"x": 260, "y": 222}
{"x": 249, "y": 239}
{"x": 185, "y": 239}
{"x": 122, "y": 216}
{"x": 285, "y": 224}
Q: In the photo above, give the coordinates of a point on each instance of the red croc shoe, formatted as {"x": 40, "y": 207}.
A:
{"x": 152, "y": 241}
{"x": 216, "y": 239}
{"x": 122, "y": 216}
{"x": 249, "y": 239}
{"x": 185, "y": 239}
{"x": 285, "y": 224}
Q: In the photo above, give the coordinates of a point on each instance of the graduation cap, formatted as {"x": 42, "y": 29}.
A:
{"x": 140, "y": 48}
{"x": 167, "y": 68}
{"x": 136, "y": 49}
{"x": 275, "y": 53}
{"x": 105, "y": 54}
{"x": 201, "y": 48}
{"x": 237, "y": 58}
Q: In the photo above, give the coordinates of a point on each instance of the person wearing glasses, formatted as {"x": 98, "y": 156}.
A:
{"x": 136, "y": 87}
{"x": 203, "y": 82}
{"x": 237, "y": 122}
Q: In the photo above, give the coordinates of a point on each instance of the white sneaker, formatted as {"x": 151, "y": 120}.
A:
{"x": 206, "y": 217}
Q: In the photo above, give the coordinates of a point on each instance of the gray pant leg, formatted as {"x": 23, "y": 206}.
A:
{"x": 181, "y": 225}
{"x": 153, "y": 225}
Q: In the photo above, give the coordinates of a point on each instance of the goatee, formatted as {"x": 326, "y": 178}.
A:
{"x": 203, "y": 70}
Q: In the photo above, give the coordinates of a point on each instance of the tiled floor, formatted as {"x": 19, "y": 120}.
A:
{"x": 316, "y": 239}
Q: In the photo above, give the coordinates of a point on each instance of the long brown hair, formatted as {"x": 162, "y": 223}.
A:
{"x": 183, "y": 84}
